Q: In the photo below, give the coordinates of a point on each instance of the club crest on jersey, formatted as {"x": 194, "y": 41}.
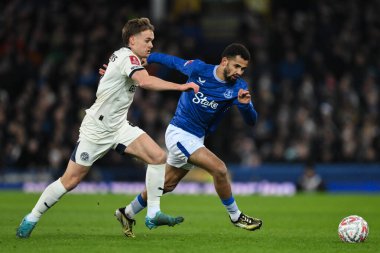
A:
{"x": 134, "y": 60}
{"x": 228, "y": 93}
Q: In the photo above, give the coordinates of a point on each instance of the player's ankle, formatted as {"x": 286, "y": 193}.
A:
{"x": 32, "y": 218}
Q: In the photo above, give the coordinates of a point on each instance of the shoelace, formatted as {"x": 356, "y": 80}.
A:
{"x": 246, "y": 219}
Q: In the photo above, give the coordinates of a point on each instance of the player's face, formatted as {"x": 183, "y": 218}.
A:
{"x": 234, "y": 68}
{"x": 141, "y": 43}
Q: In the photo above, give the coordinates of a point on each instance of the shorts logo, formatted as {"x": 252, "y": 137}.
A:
{"x": 84, "y": 156}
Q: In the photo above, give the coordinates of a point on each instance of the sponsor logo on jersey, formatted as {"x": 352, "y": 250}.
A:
{"x": 200, "y": 81}
{"x": 134, "y": 60}
{"x": 188, "y": 62}
{"x": 201, "y": 99}
{"x": 228, "y": 93}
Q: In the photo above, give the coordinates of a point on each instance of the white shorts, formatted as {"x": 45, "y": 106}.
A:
{"x": 181, "y": 145}
{"x": 94, "y": 142}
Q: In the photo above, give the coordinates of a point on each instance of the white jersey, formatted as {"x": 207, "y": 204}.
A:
{"x": 115, "y": 91}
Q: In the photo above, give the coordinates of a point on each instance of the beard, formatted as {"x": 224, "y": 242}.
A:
{"x": 227, "y": 77}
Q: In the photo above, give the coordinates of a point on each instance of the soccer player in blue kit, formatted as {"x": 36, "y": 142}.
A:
{"x": 198, "y": 114}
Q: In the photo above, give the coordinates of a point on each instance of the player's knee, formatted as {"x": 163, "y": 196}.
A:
{"x": 158, "y": 157}
{"x": 220, "y": 171}
{"x": 71, "y": 183}
{"x": 221, "y": 174}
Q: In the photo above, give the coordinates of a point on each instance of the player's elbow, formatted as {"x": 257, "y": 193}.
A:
{"x": 144, "y": 83}
{"x": 142, "y": 78}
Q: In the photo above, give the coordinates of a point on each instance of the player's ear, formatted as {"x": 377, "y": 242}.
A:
{"x": 132, "y": 40}
{"x": 224, "y": 61}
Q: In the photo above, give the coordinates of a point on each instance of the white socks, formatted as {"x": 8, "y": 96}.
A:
{"x": 155, "y": 178}
{"x": 48, "y": 198}
{"x": 233, "y": 211}
{"x": 232, "y": 208}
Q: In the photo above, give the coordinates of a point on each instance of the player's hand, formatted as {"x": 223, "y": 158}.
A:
{"x": 190, "y": 86}
{"x": 102, "y": 71}
{"x": 244, "y": 97}
{"x": 144, "y": 62}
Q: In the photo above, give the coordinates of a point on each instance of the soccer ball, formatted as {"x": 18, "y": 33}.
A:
{"x": 353, "y": 229}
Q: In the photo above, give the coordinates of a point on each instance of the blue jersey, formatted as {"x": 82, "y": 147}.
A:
{"x": 200, "y": 113}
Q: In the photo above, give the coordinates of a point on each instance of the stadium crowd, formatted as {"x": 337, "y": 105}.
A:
{"x": 315, "y": 77}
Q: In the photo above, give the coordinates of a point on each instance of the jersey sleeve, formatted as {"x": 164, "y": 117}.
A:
{"x": 186, "y": 67}
{"x": 248, "y": 111}
{"x": 129, "y": 64}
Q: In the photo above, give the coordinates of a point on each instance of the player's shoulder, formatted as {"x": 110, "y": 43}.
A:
{"x": 199, "y": 65}
{"x": 193, "y": 63}
{"x": 126, "y": 53}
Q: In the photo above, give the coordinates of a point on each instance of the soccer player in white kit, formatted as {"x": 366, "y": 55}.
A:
{"x": 105, "y": 127}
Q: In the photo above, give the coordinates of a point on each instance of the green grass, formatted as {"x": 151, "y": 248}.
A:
{"x": 85, "y": 223}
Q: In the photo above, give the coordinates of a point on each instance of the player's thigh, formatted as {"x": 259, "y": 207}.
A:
{"x": 146, "y": 149}
{"x": 133, "y": 140}
{"x": 207, "y": 160}
{"x": 73, "y": 175}
{"x": 84, "y": 155}
{"x": 181, "y": 144}
{"x": 87, "y": 152}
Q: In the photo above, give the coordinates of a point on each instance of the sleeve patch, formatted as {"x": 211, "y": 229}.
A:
{"x": 134, "y": 60}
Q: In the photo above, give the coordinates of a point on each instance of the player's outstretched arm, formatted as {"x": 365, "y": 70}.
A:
{"x": 149, "y": 82}
{"x": 173, "y": 62}
{"x": 154, "y": 83}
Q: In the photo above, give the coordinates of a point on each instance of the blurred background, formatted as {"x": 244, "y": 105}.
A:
{"x": 314, "y": 76}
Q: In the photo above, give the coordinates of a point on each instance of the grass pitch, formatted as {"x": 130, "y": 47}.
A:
{"x": 85, "y": 223}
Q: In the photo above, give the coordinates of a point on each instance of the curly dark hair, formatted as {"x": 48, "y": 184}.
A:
{"x": 236, "y": 49}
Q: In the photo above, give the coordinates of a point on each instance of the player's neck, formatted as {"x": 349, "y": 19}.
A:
{"x": 219, "y": 73}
